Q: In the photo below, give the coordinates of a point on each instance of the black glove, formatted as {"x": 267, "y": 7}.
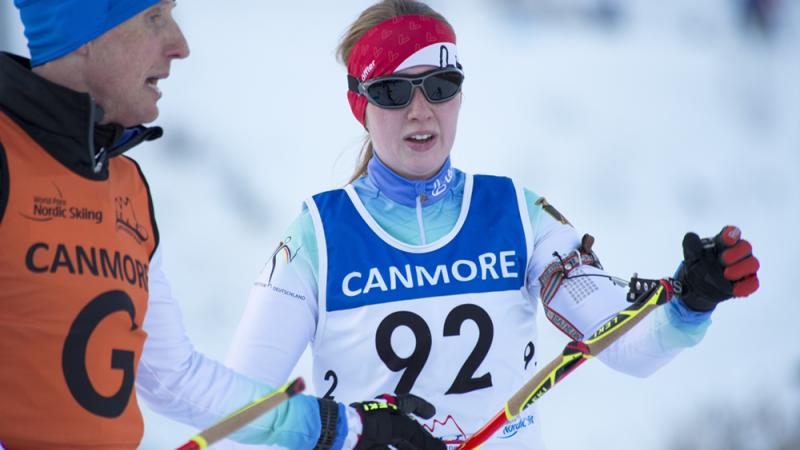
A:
{"x": 387, "y": 423}
{"x": 716, "y": 269}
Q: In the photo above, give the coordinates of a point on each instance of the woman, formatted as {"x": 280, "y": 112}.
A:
{"x": 417, "y": 277}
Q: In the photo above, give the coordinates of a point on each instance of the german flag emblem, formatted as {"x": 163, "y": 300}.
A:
{"x": 552, "y": 211}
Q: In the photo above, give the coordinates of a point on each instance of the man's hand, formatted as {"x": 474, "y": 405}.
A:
{"x": 387, "y": 422}
{"x": 716, "y": 269}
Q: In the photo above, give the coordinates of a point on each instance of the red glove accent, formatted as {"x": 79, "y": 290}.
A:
{"x": 740, "y": 266}
{"x": 745, "y": 287}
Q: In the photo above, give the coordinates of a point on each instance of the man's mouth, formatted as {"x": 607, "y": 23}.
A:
{"x": 152, "y": 83}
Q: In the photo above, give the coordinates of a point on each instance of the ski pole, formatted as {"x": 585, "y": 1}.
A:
{"x": 575, "y": 353}
{"x": 244, "y": 415}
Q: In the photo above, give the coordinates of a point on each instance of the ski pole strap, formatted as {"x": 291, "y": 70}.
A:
{"x": 575, "y": 353}
{"x": 329, "y": 417}
{"x": 558, "y": 271}
{"x": 244, "y": 415}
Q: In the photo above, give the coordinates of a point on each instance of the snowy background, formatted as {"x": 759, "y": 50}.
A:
{"x": 638, "y": 121}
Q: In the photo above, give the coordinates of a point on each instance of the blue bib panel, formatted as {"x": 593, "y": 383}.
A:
{"x": 488, "y": 253}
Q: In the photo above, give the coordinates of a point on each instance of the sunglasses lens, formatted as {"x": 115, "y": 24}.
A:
{"x": 390, "y": 93}
{"x": 396, "y": 92}
{"x": 443, "y": 86}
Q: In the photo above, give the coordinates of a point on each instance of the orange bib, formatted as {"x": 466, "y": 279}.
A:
{"x": 74, "y": 258}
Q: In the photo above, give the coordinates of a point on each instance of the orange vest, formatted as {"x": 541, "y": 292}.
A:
{"x": 74, "y": 258}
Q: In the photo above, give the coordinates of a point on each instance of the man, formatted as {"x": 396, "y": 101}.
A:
{"x": 87, "y": 313}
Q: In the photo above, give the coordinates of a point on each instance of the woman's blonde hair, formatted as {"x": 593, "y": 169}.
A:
{"x": 368, "y": 19}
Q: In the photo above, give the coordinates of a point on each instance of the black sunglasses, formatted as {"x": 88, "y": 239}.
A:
{"x": 396, "y": 91}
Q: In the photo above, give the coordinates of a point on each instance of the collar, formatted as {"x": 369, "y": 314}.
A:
{"x": 405, "y": 191}
{"x": 64, "y": 122}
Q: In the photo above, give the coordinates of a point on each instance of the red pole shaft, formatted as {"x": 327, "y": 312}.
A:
{"x": 485, "y": 433}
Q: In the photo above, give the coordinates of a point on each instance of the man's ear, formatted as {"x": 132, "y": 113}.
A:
{"x": 83, "y": 50}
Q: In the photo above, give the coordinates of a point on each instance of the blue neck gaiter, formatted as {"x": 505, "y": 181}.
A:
{"x": 405, "y": 191}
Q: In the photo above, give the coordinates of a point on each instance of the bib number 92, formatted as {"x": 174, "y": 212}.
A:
{"x": 465, "y": 381}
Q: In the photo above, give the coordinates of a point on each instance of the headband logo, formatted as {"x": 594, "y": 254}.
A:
{"x": 444, "y": 56}
{"x": 367, "y": 70}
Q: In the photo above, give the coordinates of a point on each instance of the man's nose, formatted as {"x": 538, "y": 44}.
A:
{"x": 178, "y": 46}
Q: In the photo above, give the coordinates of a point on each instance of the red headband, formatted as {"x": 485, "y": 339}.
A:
{"x": 396, "y": 44}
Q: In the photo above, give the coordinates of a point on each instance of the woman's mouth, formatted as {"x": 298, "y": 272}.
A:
{"x": 420, "y": 142}
{"x": 419, "y": 138}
